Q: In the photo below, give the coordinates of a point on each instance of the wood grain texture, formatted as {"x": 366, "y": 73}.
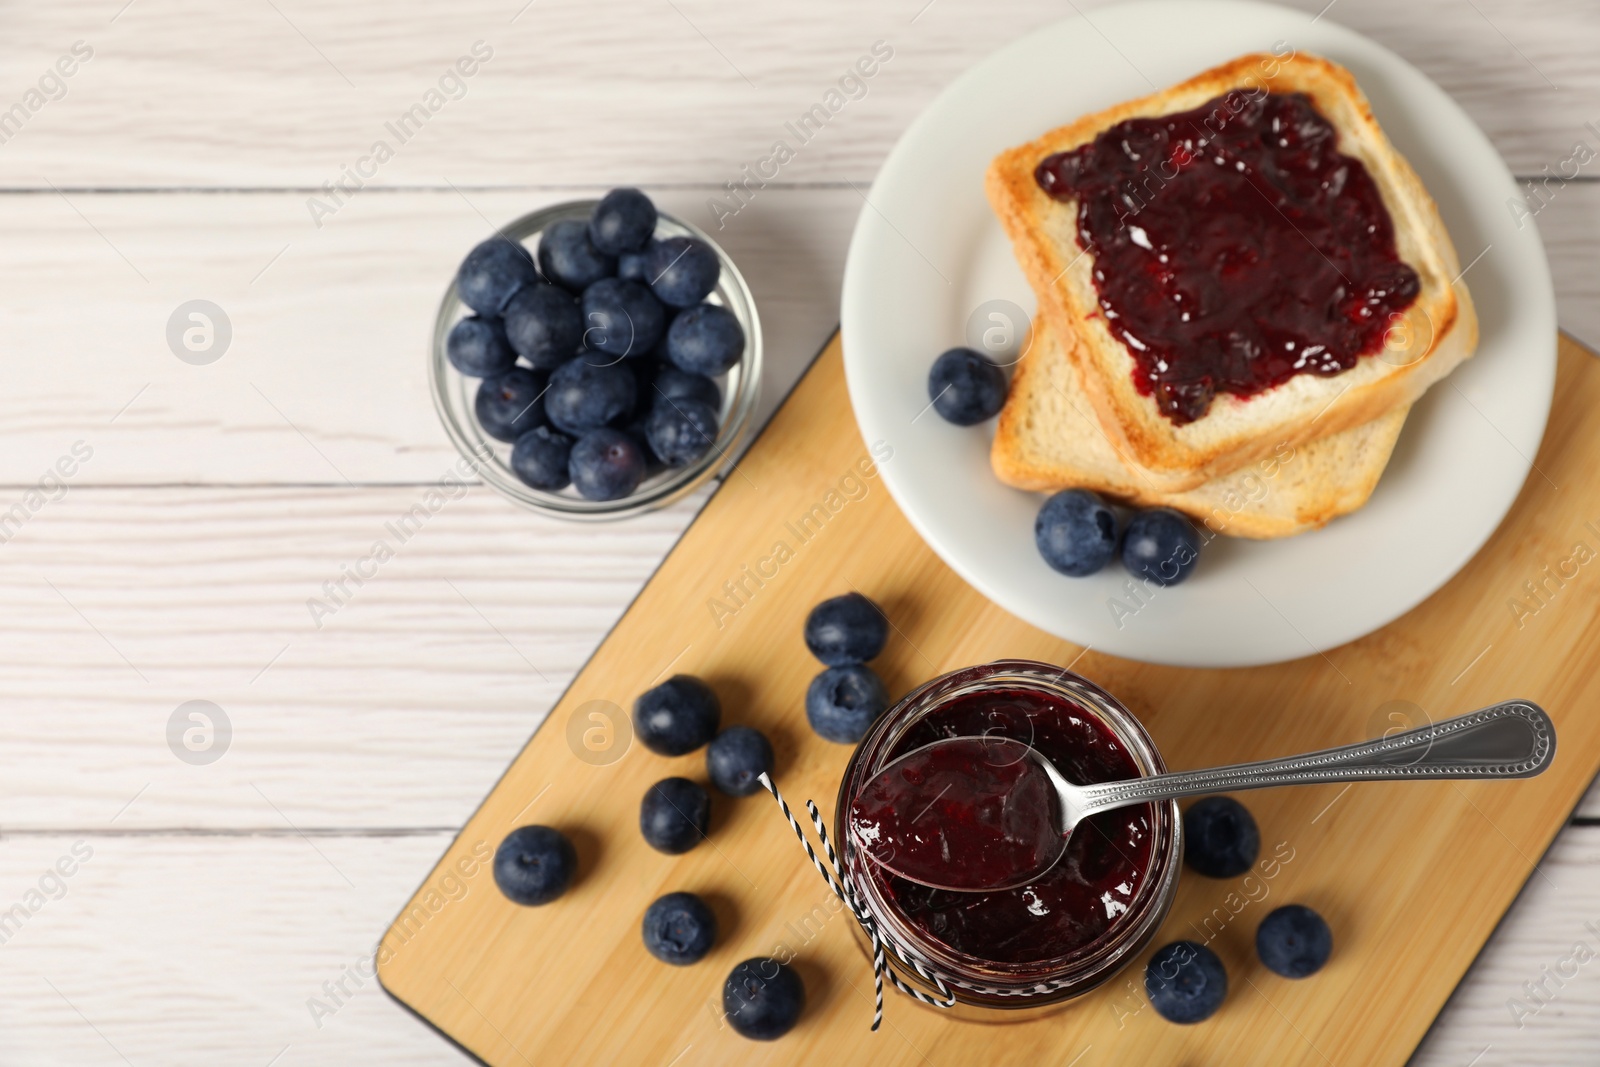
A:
{"x": 172, "y": 950}
{"x": 199, "y": 947}
{"x": 1449, "y": 857}
{"x": 325, "y": 379}
{"x": 289, "y": 93}
{"x": 205, "y": 591}
{"x": 348, "y": 308}
{"x": 399, "y": 709}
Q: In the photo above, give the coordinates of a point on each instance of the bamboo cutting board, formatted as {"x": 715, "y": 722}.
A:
{"x": 1412, "y": 877}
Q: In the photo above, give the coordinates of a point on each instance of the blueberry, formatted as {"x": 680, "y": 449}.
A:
{"x": 478, "y": 347}
{"x": 705, "y": 340}
{"x": 842, "y": 702}
{"x": 585, "y": 395}
{"x": 675, "y": 384}
{"x": 634, "y": 428}
{"x": 1294, "y": 941}
{"x": 1076, "y": 532}
{"x": 680, "y": 431}
{"x": 512, "y": 404}
{"x": 621, "y": 318}
{"x": 492, "y": 272}
{"x": 846, "y": 629}
{"x": 606, "y": 464}
{"x": 674, "y": 815}
{"x": 679, "y": 929}
{"x": 1160, "y": 546}
{"x": 677, "y": 716}
{"x": 1220, "y": 837}
{"x": 966, "y": 387}
{"x": 763, "y": 999}
{"x": 534, "y": 864}
{"x": 682, "y": 271}
{"x": 539, "y": 457}
{"x": 736, "y": 758}
{"x": 568, "y": 258}
{"x": 635, "y": 266}
{"x": 1185, "y": 981}
{"x": 544, "y": 325}
{"x": 644, "y": 373}
{"x": 622, "y": 222}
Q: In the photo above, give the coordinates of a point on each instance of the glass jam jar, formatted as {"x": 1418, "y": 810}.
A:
{"x": 1073, "y": 929}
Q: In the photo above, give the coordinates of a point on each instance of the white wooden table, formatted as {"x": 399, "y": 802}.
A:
{"x": 226, "y": 912}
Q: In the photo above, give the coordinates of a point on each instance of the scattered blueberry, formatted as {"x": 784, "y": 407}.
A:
{"x": 568, "y": 258}
{"x": 622, "y": 222}
{"x": 544, "y": 325}
{"x": 677, "y": 716}
{"x": 1076, "y": 532}
{"x": 966, "y": 387}
{"x": 705, "y": 340}
{"x": 675, "y": 384}
{"x": 674, "y": 815}
{"x": 1160, "y": 546}
{"x": 1185, "y": 981}
{"x": 842, "y": 702}
{"x": 540, "y": 456}
{"x": 1294, "y": 941}
{"x": 680, "y": 431}
{"x": 763, "y": 999}
{"x": 585, "y": 395}
{"x": 635, "y": 266}
{"x": 492, "y": 272}
{"x": 606, "y": 464}
{"x": 682, "y": 271}
{"x": 736, "y": 758}
{"x": 846, "y": 629}
{"x": 478, "y": 348}
{"x": 512, "y": 404}
{"x": 1220, "y": 837}
{"x": 534, "y": 864}
{"x": 622, "y": 318}
{"x": 679, "y": 929}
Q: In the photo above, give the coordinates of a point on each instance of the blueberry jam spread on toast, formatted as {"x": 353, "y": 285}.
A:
{"x": 1234, "y": 247}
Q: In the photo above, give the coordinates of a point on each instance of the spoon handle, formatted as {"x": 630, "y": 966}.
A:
{"x": 1515, "y": 739}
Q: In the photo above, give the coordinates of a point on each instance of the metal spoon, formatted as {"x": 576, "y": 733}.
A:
{"x": 1000, "y": 830}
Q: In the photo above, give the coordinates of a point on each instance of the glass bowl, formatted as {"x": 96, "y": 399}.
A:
{"x": 453, "y": 391}
{"x": 986, "y": 990}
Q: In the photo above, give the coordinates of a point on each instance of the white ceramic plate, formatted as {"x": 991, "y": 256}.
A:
{"x": 927, "y": 253}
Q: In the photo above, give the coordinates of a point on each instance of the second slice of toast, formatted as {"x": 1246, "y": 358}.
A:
{"x": 1437, "y": 332}
{"x": 1048, "y": 438}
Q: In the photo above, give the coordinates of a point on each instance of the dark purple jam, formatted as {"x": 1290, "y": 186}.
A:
{"x": 1108, "y": 856}
{"x": 1234, "y": 247}
{"x": 970, "y": 813}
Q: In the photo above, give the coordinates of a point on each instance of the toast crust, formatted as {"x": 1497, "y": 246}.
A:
{"x": 1435, "y": 334}
{"x": 1048, "y": 438}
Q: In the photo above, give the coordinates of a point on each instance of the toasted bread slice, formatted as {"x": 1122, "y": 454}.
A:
{"x": 1049, "y": 438}
{"x": 1438, "y": 331}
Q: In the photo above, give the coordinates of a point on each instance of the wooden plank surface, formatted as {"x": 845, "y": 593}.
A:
{"x": 290, "y": 93}
{"x": 204, "y": 514}
{"x": 349, "y": 310}
{"x": 572, "y": 982}
{"x": 325, "y": 378}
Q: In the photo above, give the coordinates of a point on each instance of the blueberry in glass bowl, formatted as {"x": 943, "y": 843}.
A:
{"x": 538, "y": 326}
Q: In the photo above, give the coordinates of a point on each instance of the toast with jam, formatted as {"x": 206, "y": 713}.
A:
{"x": 1053, "y": 440}
{"x": 1236, "y": 265}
